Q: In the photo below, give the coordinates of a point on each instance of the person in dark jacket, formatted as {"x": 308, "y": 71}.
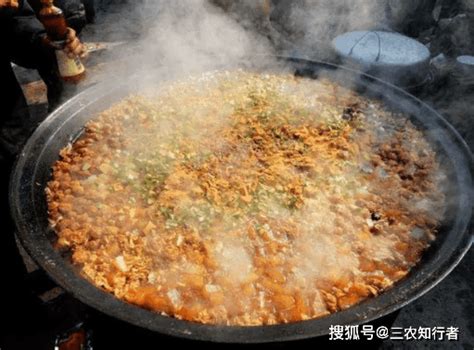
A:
{"x": 20, "y": 35}
{"x": 75, "y": 15}
{"x": 23, "y": 42}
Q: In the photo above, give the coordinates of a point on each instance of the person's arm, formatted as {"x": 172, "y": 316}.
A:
{"x": 24, "y": 37}
{"x": 26, "y": 27}
{"x": 73, "y": 11}
{"x": 28, "y": 42}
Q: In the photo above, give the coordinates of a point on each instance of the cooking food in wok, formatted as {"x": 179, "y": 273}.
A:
{"x": 244, "y": 198}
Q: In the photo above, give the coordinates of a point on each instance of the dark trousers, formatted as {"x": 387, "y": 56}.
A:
{"x": 14, "y": 114}
{"x": 15, "y": 121}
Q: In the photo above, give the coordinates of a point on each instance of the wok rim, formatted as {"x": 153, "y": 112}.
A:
{"x": 86, "y": 292}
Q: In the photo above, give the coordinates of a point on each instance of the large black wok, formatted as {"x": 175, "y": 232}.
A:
{"x": 29, "y": 210}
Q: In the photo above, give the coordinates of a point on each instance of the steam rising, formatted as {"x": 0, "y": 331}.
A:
{"x": 188, "y": 36}
{"x": 181, "y": 37}
{"x": 310, "y": 25}
{"x": 194, "y": 35}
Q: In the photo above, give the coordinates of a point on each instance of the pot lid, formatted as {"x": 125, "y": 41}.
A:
{"x": 465, "y": 70}
{"x": 380, "y": 48}
{"x": 466, "y": 59}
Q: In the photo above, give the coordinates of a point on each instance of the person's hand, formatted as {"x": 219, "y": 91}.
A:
{"x": 9, "y": 3}
{"x": 73, "y": 46}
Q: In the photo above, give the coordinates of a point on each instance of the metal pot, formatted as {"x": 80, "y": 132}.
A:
{"x": 29, "y": 210}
